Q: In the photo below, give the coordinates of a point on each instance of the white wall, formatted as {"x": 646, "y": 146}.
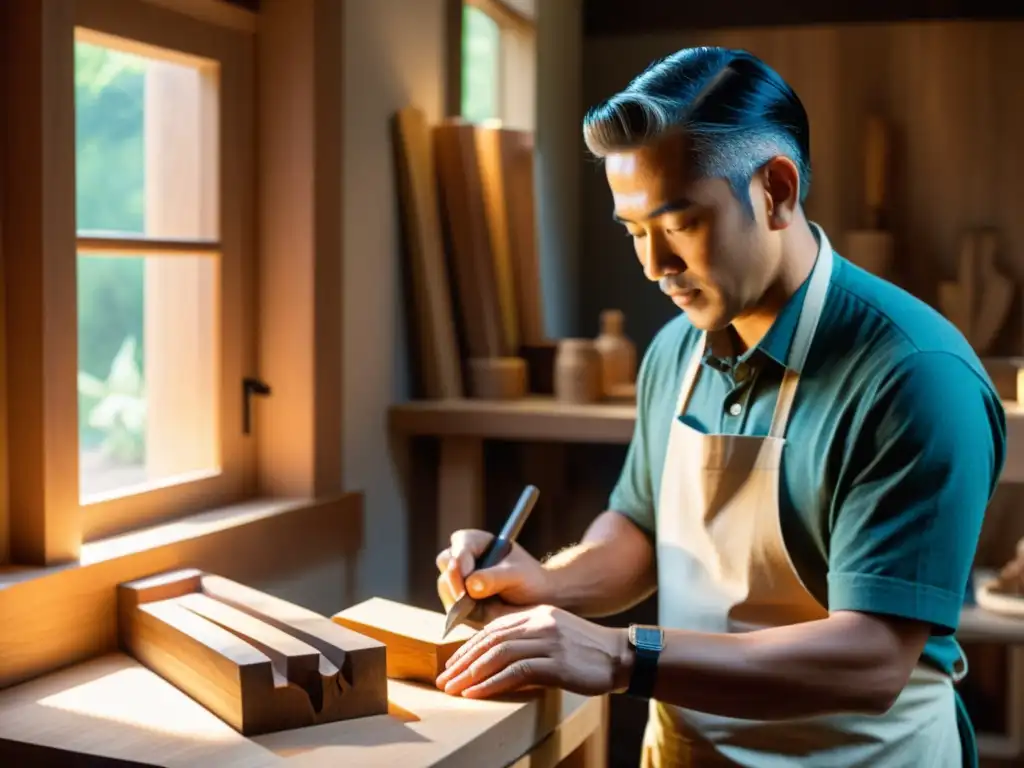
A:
{"x": 394, "y": 55}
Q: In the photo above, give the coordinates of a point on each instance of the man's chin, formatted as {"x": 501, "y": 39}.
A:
{"x": 706, "y": 318}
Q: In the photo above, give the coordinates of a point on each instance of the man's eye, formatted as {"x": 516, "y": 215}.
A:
{"x": 682, "y": 226}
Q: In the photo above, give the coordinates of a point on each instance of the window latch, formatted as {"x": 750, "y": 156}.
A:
{"x": 250, "y": 387}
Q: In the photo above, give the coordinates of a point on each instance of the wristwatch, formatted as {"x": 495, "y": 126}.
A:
{"x": 647, "y": 643}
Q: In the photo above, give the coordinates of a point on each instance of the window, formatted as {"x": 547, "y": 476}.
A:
{"x": 158, "y": 278}
{"x": 481, "y": 70}
{"x": 498, "y": 62}
{"x": 143, "y": 233}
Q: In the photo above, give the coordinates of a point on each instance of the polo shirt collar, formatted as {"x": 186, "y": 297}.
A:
{"x": 721, "y": 346}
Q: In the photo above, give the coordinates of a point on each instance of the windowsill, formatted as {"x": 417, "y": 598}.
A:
{"x": 161, "y": 535}
{"x": 58, "y": 615}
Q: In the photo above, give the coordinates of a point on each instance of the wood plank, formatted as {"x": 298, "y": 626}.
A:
{"x": 256, "y": 675}
{"x": 439, "y": 357}
{"x": 417, "y": 648}
{"x": 494, "y": 184}
{"x": 464, "y": 220}
{"x": 517, "y": 148}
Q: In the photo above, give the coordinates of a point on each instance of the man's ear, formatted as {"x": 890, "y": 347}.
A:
{"x": 780, "y": 181}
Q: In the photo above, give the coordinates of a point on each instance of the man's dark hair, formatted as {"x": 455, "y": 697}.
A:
{"x": 737, "y": 112}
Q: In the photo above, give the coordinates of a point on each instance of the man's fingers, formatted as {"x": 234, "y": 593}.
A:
{"x": 518, "y": 675}
{"x": 453, "y": 575}
{"x": 442, "y": 559}
{"x": 506, "y": 628}
{"x": 494, "y": 661}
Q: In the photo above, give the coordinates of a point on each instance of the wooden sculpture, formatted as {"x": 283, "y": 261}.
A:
{"x": 259, "y": 663}
{"x": 871, "y": 246}
{"x": 618, "y": 357}
{"x": 417, "y": 648}
{"x": 977, "y": 302}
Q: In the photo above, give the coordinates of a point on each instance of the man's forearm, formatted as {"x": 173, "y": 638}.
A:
{"x": 846, "y": 663}
{"x": 610, "y": 570}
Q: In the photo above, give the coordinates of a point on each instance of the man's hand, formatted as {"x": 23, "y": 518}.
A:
{"x": 541, "y": 646}
{"x": 518, "y": 580}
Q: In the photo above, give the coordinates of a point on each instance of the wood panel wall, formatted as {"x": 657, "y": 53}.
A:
{"x": 954, "y": 92}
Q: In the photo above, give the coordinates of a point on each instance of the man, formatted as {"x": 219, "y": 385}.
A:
{"x": 813, "y": 455}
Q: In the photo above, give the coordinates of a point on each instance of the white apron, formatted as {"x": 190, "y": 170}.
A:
{"x": 723, "y": 567}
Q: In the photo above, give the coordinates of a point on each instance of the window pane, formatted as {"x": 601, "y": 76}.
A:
{"x": 481, "y": 43}
{"x": 147, "y": 373}
{"x": 146, "y": 142}
{"x": 147, "y": 165}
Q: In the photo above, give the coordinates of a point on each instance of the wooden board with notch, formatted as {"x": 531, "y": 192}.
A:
{"x": 259, "y": 663}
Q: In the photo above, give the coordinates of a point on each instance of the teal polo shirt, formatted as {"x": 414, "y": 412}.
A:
{"x": 894, "y": 446}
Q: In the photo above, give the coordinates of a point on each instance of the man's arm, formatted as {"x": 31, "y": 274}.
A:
{"x": 849, "y": 662}
{"x": 614, "y": 567}
{"x": 609, "y": 571}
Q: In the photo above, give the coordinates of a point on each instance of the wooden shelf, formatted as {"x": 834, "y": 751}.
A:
{"x": 545, "y": 419}
{"x": 532, "y": 418}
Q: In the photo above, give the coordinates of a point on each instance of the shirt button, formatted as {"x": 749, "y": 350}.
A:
{"x": 735, "y": 409}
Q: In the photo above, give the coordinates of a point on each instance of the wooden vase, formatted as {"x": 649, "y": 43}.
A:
{"x": 617, "y": 353}
{"x": 577, "y": 371}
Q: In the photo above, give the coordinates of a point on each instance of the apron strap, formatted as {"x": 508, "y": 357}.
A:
{"x": 690, "y": 376}
{"x": 810, "y": 314}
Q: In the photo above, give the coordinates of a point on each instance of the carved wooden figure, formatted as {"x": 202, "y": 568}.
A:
{"x": 259, "y": 663}
{"x": 978, "y": 301}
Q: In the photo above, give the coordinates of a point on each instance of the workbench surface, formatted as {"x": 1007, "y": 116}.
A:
{"x": 114, "y": 707}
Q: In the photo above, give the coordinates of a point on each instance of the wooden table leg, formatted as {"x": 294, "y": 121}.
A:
{"x": 460, "y": 487}
{"x": 593, "y": 752}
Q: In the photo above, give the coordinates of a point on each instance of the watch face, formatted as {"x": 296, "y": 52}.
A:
{"x": 646, "y": 637}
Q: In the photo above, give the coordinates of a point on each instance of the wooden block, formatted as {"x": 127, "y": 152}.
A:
{"x": 413, "y": 636}
{"x": 259, "y": 663}
{"x": 498, "y": 378}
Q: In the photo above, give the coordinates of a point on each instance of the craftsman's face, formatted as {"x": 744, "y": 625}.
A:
{"x": 692, "y": 236}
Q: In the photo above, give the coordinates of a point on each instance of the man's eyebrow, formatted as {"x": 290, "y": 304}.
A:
{"x": 673, "y": 206}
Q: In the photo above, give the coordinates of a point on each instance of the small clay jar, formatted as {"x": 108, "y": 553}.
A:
{"x": 618, "y": 353}
{"x": 577, "y": 371}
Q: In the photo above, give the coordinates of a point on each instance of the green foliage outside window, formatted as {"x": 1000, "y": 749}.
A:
{"x": 481, "y": 49}
{"x": 109, "y": 96}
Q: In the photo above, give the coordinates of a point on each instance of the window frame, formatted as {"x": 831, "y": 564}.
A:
{"x": 289, "y": 280}
{"x": 139, "y": 27}
{"x": 517, "y": 63}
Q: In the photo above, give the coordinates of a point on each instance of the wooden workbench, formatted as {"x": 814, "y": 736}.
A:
{"x": 114, "y": 708}
{"x": 462, "y": 426}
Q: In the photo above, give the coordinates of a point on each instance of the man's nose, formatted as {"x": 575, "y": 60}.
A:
{"x": 659, "y": 259}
